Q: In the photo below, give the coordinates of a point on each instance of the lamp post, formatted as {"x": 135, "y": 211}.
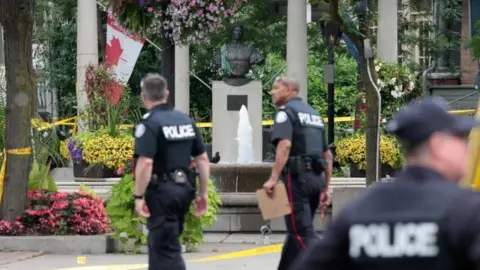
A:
{"x": 331, "y": 32}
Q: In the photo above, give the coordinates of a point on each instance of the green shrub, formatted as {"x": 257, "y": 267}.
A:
{"x": 127, "y": 225}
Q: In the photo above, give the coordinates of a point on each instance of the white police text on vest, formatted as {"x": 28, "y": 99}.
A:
{"x": 179, "y": 132}
{"x": 394, "y": 241}
{"x": 310, "y": 119}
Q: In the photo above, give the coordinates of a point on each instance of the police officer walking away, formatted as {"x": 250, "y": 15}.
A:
{"x": 165, "y": 140}
{"x": 423, "y": 220}
{"x": 301, "y": 158}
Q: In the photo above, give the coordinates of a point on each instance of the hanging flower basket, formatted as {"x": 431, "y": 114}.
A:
{"x": 182, "y": 21}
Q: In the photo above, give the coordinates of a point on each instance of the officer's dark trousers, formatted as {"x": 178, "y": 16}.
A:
{"x": 304, "y": 195}
{"x": 168, "y": 203}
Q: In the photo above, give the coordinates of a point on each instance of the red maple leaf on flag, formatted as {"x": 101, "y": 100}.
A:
{"x": 113, "y": 51}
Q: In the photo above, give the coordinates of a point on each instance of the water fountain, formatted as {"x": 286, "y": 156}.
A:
{"x": 245, "y": 175}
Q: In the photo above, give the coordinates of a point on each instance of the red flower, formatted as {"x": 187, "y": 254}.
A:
{"x": 363, "y": 107}
{"x": 356, "y": 124}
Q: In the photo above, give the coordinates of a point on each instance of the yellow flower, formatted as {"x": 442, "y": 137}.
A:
{"x": 64, "y": 150}
{"x": 109, "y": 151}
{"x": 352, "y": 150}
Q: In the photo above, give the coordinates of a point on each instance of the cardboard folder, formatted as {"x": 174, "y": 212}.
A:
{"x": 275, "y": 206}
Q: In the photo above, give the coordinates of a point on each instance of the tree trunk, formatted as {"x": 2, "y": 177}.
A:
{"x": 17, "y": 18}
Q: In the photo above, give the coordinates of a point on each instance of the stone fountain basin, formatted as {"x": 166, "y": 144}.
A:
{"x": 234, "y": 177}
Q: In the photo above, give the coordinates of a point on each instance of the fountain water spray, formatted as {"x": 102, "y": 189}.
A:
{"x": 244, "y": 137}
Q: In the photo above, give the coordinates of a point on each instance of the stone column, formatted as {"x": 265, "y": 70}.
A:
{"x": 297, "y": 49}
{"x": 182, "y": 78}
{"x": 387, "y": 31}
{"x": 87, "y": 50}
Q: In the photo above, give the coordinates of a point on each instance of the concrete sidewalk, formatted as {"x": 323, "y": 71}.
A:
{"x": 242, "y": 238}
{"x": 11, "y": 257}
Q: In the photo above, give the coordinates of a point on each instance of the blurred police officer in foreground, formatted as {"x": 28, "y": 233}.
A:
{"x": 423, "y": 220}
{"x": 165, "y": 140}
{"x": 301, "y": 158}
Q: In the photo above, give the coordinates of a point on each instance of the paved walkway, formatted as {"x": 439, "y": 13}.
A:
{"x": 210, "y": 256}
{"x": 222, "y": 251}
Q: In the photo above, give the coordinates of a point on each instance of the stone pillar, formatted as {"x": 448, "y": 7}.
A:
{"x": 182, "y": 79}
{"x": 297, "y": 50}
{"x": 387, "y": 31}
{"x": 226, "y": 103}
{"x": 87, "y": 50}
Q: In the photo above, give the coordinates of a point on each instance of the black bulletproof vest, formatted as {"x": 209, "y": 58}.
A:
{"x": 176, "y": 134}
{"x": 308, "y": 130}
{"x": 399, "y": 225}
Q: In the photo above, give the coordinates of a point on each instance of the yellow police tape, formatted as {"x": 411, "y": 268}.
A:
{"x": 20, "y": 152}
{"x": 72, "y": 121}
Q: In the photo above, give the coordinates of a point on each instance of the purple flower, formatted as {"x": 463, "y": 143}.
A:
{"x": 75, "y": 150}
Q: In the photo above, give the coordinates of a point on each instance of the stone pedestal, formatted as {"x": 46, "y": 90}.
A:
{"x": 226, "y": 103}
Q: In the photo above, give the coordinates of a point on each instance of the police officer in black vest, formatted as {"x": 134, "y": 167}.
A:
{"x": 165, "y": 140}
{"x": 301, "y": 158}
{"x": 423, "y": 220}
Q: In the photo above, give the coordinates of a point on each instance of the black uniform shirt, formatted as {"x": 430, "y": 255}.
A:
{"x": 459, "y": 226}
{"x": 282, "y": 127}
{"x": 284, "y": 124}
{"x": 150, "y": 141}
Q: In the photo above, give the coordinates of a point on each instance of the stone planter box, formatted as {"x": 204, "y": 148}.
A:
{"x": 92, "y": 244}
{"x": 384, "y": 170}
{"x": 83, "y": 170}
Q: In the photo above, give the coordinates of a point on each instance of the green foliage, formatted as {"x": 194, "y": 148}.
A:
{"x": 127, "y": 225}
{"x": 55, "y": 31}
{"x": 120, "y": 210}
{"x": 474, "y": 43}
{"x": 420, "y": 30}
{"x": 192, "y": 235}
{"x": 87, "y": 190}
{"x": 40, "y": 179}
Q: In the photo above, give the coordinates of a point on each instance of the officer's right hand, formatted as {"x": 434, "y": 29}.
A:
{"x": 269, "y": 186}
{"x": 201, "y": 205}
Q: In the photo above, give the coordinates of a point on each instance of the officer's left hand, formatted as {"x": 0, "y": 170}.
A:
{"x": 269, "y": 186}
{"x": 141, "y": 208}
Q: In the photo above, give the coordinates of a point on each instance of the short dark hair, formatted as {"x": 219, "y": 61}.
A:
{"x": 242, "y": 29}
{"x": 153, "y": 86}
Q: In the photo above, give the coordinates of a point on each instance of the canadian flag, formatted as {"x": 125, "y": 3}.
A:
{"x": 122, "y": 50}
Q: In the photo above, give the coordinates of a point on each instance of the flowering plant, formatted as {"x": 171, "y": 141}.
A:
{"x": 112, "y": 152}
{"x": 100, "y": 148}
{"x": 352, "y": 149}
{"x": 108, "y": 100}
{"x": 182, "y": 21}
{"x": 398, "y": 85}
{"x": 59, "y": 213}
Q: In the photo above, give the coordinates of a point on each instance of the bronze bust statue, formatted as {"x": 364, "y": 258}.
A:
{"x": 236, "y": 59}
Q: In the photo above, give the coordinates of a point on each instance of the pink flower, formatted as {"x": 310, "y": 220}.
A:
{"x": 150, "y": 9}
{"x": 212, "y": 8}
{"x": 120, "y": 171}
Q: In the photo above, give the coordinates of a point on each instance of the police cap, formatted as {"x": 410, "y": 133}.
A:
{"x": 416, "y": 122}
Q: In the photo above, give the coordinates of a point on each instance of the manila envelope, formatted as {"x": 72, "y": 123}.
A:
{"x": 276, "y": 206}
